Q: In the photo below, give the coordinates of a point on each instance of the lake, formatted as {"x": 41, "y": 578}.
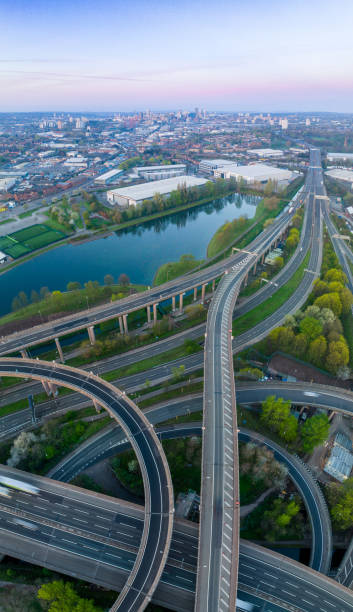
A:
{"x": 137, "y": 251}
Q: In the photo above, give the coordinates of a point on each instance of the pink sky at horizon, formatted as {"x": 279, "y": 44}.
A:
{"x": 235, "y": 55}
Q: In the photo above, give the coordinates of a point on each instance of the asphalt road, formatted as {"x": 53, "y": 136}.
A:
{"x": 159, "y": 506}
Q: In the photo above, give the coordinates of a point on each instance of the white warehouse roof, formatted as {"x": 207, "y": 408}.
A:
{"x": 266, "y": 152}
{"x": 339, "y": 155}
{"x": 144, "y": 191}
{"x": 258, "y": 172}
{"x": 169, "y": 167}
{"x": 341, "y": 175}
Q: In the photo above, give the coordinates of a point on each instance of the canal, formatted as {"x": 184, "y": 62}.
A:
{"x": 137, "y": 251}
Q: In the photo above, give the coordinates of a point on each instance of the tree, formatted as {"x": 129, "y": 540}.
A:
{"x": 279, "y": 517}
{"x": 280, "y": 338}
{"x": 335, "y": 275}
{"x": 62, "y": 597}
{"x": 34, "y": 296}
{"x": 108, "y": 279}
{"x": 124, "y": 280}
{"x": 195, "y": 311}
{"x": 346, "y": 298}
{"x": 23, "y": 298}
{"x": 311, "y": 327}
{"x": 178, "y": 373}
{"x": 278, "y": 263}
{"x": 43, "y": 292}
{"x": 15, "y": 304}
{"x": 344, "y": 372}
{"x": 314, "y": 432}
{"x": 330, "y": 300}
{"x": 73, "y": 286}
{"x": 317, "y": 350}
{"x": 338, "y": 355}
{"x": 340, "y": 498}
{"x": 296, "y": 221}
{"x": 300, "y": 345}
{"x": 275, "y": 413}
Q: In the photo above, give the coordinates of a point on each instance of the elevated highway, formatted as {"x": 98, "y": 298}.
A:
{"x": 159, "y": 503}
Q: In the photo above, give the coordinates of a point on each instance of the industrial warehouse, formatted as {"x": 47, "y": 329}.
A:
{"x": 256, "y": 173}
{"x": 136, "y": 194}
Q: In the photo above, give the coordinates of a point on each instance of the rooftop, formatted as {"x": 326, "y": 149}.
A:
{"x": 148, "y": 190}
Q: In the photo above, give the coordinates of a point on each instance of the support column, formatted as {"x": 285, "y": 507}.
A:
{"x": 91, "y": 334}
{"x": 246, "y": 279}
{"x": 59, "y": 349}
{"x": 96, "y": 405}
{"x": 53, "y": 388}
{"x": 126, "y": 329}
{"x": 254, "y": 269}
{"x": 331, "y": 416}
{"x": 203, "y": 290}
{"x": 148, "y": 314}
{"x": 155, "y": 314}
{"x": 121, "y": 325}
{"x": 213, "y": 285}
{"x": 181, "y": 297}
{"x": 195, "y": 294}
{"x": 24, "y": 354}
{"x": 173, "y": 303}
{"x": 263, "y": 258}
{"x": 45, "y": 386}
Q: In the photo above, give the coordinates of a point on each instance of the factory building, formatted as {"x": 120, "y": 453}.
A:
{"x": 210, "y": 165}
{"x": 108, "y": 177}
{"x": 156, "y": 173}
{"x": 134, "y": 195}
{"x": 256, "y": 173}
{"x": 341, "y": 175}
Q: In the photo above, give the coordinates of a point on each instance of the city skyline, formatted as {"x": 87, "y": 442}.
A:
{"x": 230, "y": 57}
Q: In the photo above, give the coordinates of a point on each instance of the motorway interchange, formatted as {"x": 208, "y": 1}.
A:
{"x": 219, "y": 559}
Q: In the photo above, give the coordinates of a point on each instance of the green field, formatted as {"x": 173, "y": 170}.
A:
{"x": 29, "y": 239}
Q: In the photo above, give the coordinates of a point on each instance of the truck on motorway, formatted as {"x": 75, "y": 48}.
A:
{"x": 25, "y": 524}
{"x": 19, "y": 485}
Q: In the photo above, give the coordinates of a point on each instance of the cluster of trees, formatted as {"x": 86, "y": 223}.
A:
{"x": 226, "y": 234}
{"x": 317, "y": 333}
{"x": 76, "y": 296}
{"x": 276, "y": 416}
{"x": 65, "y": 214}
{"x": 280, "y": 517}
{"x": 31, "y": 451}
{"x": 62, "y": 597}
{"x": 259, "y": 464}
{"x": 292, "y": 239}
{"x": 340, "y": 498}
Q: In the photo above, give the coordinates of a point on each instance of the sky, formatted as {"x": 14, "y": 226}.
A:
{"x": 232, "y": 55}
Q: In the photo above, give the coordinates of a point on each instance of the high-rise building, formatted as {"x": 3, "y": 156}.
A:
{"x": 284, "y": 124}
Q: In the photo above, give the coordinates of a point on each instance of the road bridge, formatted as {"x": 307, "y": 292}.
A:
{"x": 159, "y": 503}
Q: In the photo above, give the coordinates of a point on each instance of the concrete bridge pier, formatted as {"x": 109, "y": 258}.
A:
{"x": 155, "y": 314}
{"x": 246, "y": 279}
{"x": 121, "y": 325}
{"x": 126, "y": 329}
{"x": 195, "y": 294}
{"x": 181, "y": 298}
{"x": 91, "y": 334}
{"x": 59, "y": 349}
{"x": 24, "y": 354}
{"x": 53, "y": 388}
{"x": 213, "y": 285}
{"x": 148, "y": 314}
{"x": 96, "y": 406}
{"x": 173, "y": 303}
{"x": 254, "y": 268}
{"x": 46, "y": 386}
{"x": 203, "y": 291}
{"x": 263, "y": 258}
